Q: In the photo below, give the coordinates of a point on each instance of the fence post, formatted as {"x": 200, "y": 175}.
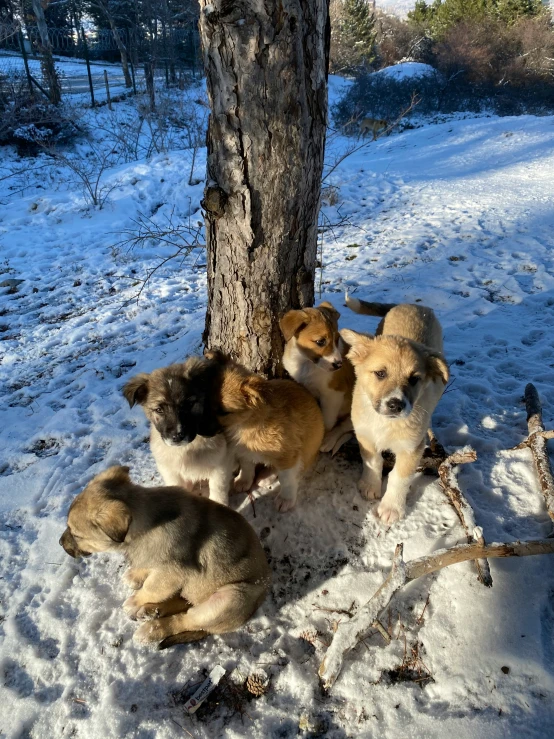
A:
{"x": 87, "y": 60}
{"x": 149, "y": 76}
{"x": 131, "y": 64}
{"x": 25, "y": 61}
{"x": 107, "y": 89}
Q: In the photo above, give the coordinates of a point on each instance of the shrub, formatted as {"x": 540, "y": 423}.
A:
{"x": 30, "y": 122}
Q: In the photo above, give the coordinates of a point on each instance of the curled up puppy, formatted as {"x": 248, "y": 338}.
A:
{"x": 181, "y": 402}
{"x": 273, "y": 422}
{"x": 197, "y": 567}
{"x": 401, "y": 374}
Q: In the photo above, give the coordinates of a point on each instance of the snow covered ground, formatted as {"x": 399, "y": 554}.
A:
{"x": 458, "y": 215}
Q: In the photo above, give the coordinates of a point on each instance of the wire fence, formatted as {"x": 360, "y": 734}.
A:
{"x": 100, "y": 63}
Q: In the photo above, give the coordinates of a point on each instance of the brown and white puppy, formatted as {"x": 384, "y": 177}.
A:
{"x": 273, "y": 422}
{"x": 375, "y": 125}
{"x": 186, "y": 439}
{"x": 197, "y": 567}
{"x": 401, "y": 374}
{"x": 315, "y": 356}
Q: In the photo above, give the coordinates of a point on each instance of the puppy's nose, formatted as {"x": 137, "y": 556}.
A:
{"x": 177, "y": 436}
{"x": 396, "y": 405}
{"x": 337, "y": 365}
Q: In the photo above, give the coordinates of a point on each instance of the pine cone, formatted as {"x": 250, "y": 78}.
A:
{"x": 257, "y": 684}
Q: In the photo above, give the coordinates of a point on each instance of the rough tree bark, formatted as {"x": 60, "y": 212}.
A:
{"x": 266, "y": 67}
{"x": 47, "y": 61}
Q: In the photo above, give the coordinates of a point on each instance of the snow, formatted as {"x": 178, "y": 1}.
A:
{"x": 407, "y": 70}
{"x": 459, "y": 215}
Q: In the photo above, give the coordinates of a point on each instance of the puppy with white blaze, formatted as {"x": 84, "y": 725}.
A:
{"x": 315, "y": 356}
{"x": 401, "y": 374}
{"x": 186, "y": 439}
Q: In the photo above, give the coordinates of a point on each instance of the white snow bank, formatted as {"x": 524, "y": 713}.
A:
{"x": 407, "y": 70}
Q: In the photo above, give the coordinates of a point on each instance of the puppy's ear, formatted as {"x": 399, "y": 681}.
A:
{"x": 136, "y": 390}
{"x": 114, "y": 519}
{"x": 215, "y": 355}
{"x": 205, "y": 415}
{"x": 251, "y": 389}
{"x": 360, "y": 345}
{"x": 437, "y": 367}
{"x": 116, "y": 474}
{"x": 329, "y": 310}
{"x": 292, "y": 322}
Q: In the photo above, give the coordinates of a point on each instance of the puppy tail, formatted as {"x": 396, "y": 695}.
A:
{"x": 368, "y": 309}
{"x": 185, "y": 637}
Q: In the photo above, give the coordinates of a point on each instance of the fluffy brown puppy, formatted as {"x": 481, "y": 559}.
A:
{"x": 198, "y": 567}
{"x": 273, "y": 422}
{"x": 401, "y": 374}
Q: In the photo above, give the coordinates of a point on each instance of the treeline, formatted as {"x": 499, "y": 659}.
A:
{"x": 503, "y": 42}
{"x": 105, "y": 14}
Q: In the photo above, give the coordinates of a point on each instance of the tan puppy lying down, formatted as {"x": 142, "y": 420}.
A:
{"x": 273, "y": 422}
{"x": 401, "y": 374}
{"x": 198, "y": 567}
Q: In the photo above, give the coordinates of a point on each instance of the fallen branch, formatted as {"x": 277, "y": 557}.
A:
{"x": 462, "y": 507}
{"x": 349, "y": 633}
{"x": 536, "y": 442}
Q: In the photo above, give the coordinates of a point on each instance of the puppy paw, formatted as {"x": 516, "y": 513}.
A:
{"x": 284, "y": 504}
{"x": 390, "y": 513}
{"x": 148, "y": 612}
{"x": 243, "y": 482}
{"x": 132, "y": 606}
{"x": 150, "y": 632}
{"x": 370, "y": 490}
{"x": 329, "y": 441}
{"x": 134, "y": 578}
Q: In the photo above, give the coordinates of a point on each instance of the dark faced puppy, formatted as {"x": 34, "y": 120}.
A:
{"x": 180, "y": 400}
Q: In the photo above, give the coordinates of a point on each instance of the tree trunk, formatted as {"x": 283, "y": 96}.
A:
{"x": 47, "y": 61}
{"x": 122, "y": 52}
{"x": 266, "y": 68}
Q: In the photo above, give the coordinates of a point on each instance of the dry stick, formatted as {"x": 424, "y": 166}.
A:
{"x": 351, "y": 632}
{"x": 536, "y": 441}
{"x": 444, "y": 466}
{"x": 462, "y": 507}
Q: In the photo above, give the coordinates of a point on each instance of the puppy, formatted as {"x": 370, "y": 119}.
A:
{"x": 374, "y": 125}
{"x": 197, "y": 567}
{"x": 273, "y": 422}
{"x": 315, "y": 356}
{"x": 181, "y": 401}
{"x": 401, "y": 374}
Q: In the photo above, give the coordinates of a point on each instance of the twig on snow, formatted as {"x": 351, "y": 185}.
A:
{"x": 349, "y": 633}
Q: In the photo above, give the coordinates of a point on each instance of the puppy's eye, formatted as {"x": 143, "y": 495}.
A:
{"x": 159, "y": 410}
{"x": 320, "y": 342}
{"x": 381, "y": 374}
{"x": 413, "y": 380}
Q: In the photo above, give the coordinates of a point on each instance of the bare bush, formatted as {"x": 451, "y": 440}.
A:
{"x": 182, "y": 239}
{"x": 397, "y": 40}
{"x": 89, "y": 171}
{"x": 491, "y": 52}
{"x": 29, "y": 121}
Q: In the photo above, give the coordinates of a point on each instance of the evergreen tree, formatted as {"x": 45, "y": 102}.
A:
{"x": 357, "y": 30}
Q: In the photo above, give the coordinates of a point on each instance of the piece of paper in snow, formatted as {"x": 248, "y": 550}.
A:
{"x": 205, "y": 689}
